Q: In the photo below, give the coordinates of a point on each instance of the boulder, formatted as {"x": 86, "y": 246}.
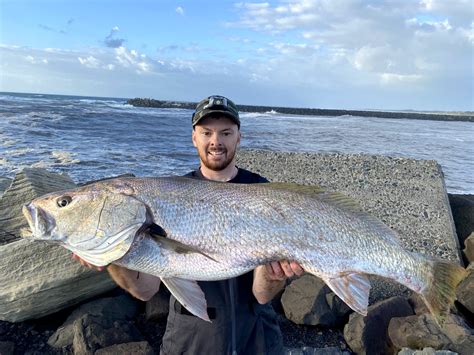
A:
{"x": 462, "y": 208}
{"x": 368, "y": 335}
{"x": 7, "y": 348}
{"x": 37, "y": 278}
{"x": 4, "y": 184}
{"x": 135, "y": 348}
{"x": 121, "y": 308}
{"x": 468, "y": 250}
{"x": 417, "y": 304}
{"x": 465, "y": 292}
{"x": 308, "y": 350}
{"x": 425, "y": 351}
{"x": 309, "y": 301}
{"x": 421, "y": 331}
{"x": 93, "y": 332}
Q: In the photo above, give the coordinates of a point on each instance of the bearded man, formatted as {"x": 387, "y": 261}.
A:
{"x": 242, "y": 318}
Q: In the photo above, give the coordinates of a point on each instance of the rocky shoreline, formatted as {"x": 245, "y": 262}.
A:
{"x": 434, "y": 116}
{"x": 111, "y": 322}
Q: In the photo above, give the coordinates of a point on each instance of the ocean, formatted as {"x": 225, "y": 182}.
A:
{"x": 90, "y": 138}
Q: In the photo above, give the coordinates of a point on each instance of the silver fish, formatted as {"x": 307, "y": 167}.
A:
{"x": 183, "y": 230}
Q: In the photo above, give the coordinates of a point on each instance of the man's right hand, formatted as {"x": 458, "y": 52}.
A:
{"x": 86, "y": 264}
{"x": 139, "y": 285}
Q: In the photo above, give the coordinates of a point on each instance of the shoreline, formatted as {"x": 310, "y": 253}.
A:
{"x": 433, "y": 116}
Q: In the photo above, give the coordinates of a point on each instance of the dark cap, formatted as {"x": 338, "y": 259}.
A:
{"x": 216, "y": 105}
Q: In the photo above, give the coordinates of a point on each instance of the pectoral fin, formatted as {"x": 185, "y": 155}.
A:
{"x": 159, "y": 234}
{"x": 353, "y": 289}
{"x": 189, "y": 294}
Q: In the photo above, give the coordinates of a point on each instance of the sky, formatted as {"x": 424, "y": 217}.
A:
{"x": 341, "y": 54}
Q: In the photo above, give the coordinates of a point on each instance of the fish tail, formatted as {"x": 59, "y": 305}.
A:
{"x": 440, "y": 292}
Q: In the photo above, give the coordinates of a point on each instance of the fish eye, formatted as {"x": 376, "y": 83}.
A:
{"x": 63, "y": 201}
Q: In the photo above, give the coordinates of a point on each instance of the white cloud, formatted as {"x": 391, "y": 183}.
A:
{"x": 180, "y": 10}
{"x": 374, "y": 43}
{"x": 30, "y": 59}
{"x": 89, "y": 62}
{"x": 390, "y": 78}
{"x": 35, "y": 60}
{"x": 132, "y": 59}
{"x": 388, "y": 54}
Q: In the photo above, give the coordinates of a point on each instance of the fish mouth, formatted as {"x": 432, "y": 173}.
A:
{"x": 40, "y": 222}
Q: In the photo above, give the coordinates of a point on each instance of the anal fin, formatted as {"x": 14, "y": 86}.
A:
{"x": 353, "y": 289}
{"x": 189, "y": 294}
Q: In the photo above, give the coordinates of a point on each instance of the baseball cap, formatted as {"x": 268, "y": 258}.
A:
{"x": 216, "y": 104}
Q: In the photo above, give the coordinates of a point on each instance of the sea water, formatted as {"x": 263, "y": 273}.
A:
{"x": 90, "y": 138}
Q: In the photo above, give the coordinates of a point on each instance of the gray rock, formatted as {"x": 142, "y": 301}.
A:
{"x": 4, "y": 184}
{"x": 426, "y": 351}
{"x": 121, "y": 308}
{"x": 368, "y": 335}
{"x": 309, "y": 301}
{"x": 421, "y": 331}
{"x": 38, "y": 279}
{"x": 308, "y": 350}
{"x": 462, "y": 207}
{"x": 465, "y": 291}
{"x": 417, "y": 303}
{"x": 95, "y": 332}
{"x": 7, "y": 348}
{"x": 468, "y": 250}
{"x": 135, "y": 348}
{"x": 408, "y": 195}
{"x": 158, "y": 307}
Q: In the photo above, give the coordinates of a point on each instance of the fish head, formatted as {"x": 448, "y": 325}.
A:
{"x": 98, "y": 222}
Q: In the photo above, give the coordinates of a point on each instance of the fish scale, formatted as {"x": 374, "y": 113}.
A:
{"x": 214, "y": 231}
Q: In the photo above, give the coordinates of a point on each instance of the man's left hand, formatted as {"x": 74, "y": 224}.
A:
{"x": 283, "y": 269}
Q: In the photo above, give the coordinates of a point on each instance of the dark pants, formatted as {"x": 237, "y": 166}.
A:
{"x": 257, "y": 331}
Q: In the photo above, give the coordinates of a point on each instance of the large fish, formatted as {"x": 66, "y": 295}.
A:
{"x": 183, "y": 229}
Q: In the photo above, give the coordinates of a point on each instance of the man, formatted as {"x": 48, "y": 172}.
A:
{"x": 243, "y": 321}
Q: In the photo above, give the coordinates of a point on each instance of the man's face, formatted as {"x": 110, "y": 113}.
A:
{"x": 216, "y": 140}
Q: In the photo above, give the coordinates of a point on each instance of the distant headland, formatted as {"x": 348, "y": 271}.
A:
{"x": 436, "y": 116}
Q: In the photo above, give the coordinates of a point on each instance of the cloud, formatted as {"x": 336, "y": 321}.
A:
{"x": 35, "y": 60}
{"x": 180, "y": 10}
{"x": 387, "y": 41}
{"x": 89, "y": 62}
{"x": 132, "y": 59}
{"x": 174, "y": 48}
{"x": 70, "y": 21}
{"x": 51, "y": 29}
{"x": 111, "y": 41}
{"x": 380, "y": 54}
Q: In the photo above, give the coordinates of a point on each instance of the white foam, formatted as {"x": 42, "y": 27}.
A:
{"x": 8, "y": 142}
{"x": 63, "y": 157}
{"x": 19, "y": 151}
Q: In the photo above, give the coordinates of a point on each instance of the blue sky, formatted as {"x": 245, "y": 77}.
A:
{"x": 352, "y": 54}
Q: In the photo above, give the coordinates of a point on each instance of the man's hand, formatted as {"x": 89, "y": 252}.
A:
{"x": 269, "y": 279}
{"x": 281, "y": 270}
{"x": 139, "y": 285}
{"x": 86, "y": 264}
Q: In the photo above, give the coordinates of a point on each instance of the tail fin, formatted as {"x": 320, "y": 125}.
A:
{"x": 440, "y": 293}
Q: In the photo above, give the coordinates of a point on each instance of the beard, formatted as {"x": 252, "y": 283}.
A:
{"x": 219, "y": 161}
